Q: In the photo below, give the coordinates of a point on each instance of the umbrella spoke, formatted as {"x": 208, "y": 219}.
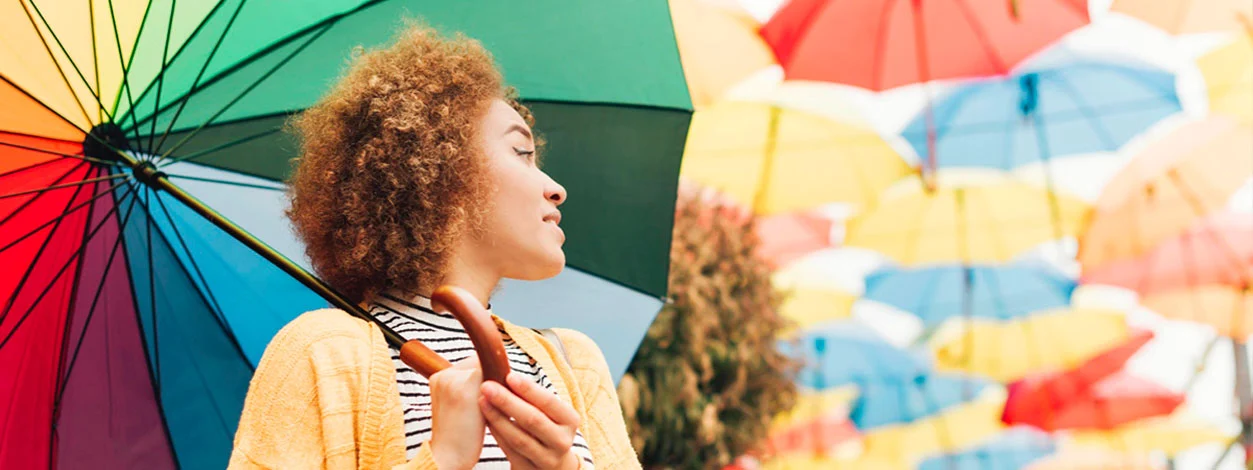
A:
{"x": 182, "y": 102}
{"x": 91, "y": 311}
{"x": 223, "y": 146}
{"x": 245, "y": 91}
{"x": 152, "y": 292}
{"x": 51, "y": 283}
{"x": 92, "y": 90}
{"x": 228, "y": 182}
{"x": 165, "y": 52}
{"x": 125, "y": 67}
{"x": 62, "y": 216}
{"x": 64, "y": 186}
{"x": 54, "y": 152}
{"x": 206, "y": 294}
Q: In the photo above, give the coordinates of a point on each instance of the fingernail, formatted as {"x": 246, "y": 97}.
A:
{"x": 487, "y": 389}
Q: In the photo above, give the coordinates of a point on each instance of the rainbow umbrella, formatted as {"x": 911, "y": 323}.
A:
{"x": 1188, "y": 16}
{"x": 146, "y": 261}
{"x": 1039, "y": 114}
{"x": 900, "y": 43}
{"x": 1000, "y": 292}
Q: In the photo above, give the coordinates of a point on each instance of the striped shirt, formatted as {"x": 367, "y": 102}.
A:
{"x": 414, "y": 319}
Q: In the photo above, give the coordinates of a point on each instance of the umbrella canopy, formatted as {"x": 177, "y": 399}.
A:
{"x": 1167, "y": 434}
{"x": 1188, "y": 16}
{"x": 1008, "y": 351}
{"x": 1228, "y": 309}
{"x": 775, "y": 160}
{"x": 1217, "y": 249}
{"x": 968, "y": 223}
{"x": 1228, "y": 74}
{"x": 998, "y": 292}
{"x": 1116, "y": 400}
{"x": 1010, "y": 450}
{"x": 818, "y": 425}
{"x": 719, "y": 45}
{"x": 1038, "y": 114}
{"x": 1178, "y": 179}
{"x": 900, "y": 43}
{"x": 142, "y": 160}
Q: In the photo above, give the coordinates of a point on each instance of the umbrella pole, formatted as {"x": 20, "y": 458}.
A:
{"x": 105, "y": 141}
{"x": 1244, "y": 396}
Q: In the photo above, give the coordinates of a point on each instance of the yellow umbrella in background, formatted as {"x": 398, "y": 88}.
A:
{"x": 1167, "y": 434}
{"x": 779, "y": 160}
{"x": 719, "y": 47}
{"x": 1071, "y": 457}
{"x": 1008, "y": 351}
{"x": 949, "y": 431}
{"x": 811, "y": 296}
{"x": 1228, "y": 73}
{"x": 1188, "y": 16}
{"x": 1178, "y": 179}
{"x": 986, "y": 221}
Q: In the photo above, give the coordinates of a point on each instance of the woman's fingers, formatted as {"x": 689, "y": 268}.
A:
{"x": 528, "y": 417}
{"x": 516, "y": 443}
{"x": 545, "y": 400}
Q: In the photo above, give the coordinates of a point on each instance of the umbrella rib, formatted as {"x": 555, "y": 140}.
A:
{"x": 68, "y": 57}
{"x": 165, "y": 52}
{"x": 152, "y": 284}
{"x": 95, "y": 58}
{"x": 245, "y": 92}
{"x": 69, "y": 311}
{"x": 207, "y": 293}
{"x": 223, "y": 146}
{"x": 54, "y": 220}
{"x": 63, "y": 186}
{"x": 67, "y": 368}
{"x": 227, "y": 182}
{"x": 186, "y": 97}
{"x": 975, "y": 26}
{"x": 53, "y": 57}
{"x": 52, "y": 282}
{"x": 125, "y": 67}
{"x": 53, "y": 152}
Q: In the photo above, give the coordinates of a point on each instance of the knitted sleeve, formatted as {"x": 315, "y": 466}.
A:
{"x": 612, "y": 447}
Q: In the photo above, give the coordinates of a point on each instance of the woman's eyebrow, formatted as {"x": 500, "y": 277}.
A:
{"x": 519, "y": 128}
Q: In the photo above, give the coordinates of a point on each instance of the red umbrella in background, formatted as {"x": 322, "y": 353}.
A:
{"x": 1093, "y": 395}
{"x": 881, "y": 44}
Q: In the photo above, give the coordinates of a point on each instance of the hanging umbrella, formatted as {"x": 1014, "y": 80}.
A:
{"x": 899, "y": 43}
{"x": 1008, "y": 351}
{"x": 1184, "y": 176}
{"x": 988, "y": 222}
{"x": 1012, "y": 449}
{"x": 818, "y": 425}
{"x": 783, "y": 238}
{"x": 999, "y": 292}
{"x": 141, "y": 158}
{"x": 780, "y": 160}
{"x": 1039, "y": 114}
{"x": 809, "y": 298}
{"x": 1038, "y": 399}
{"x": 1228, "y": 74}
{"x": 1166, "y": 434}
{"x": 1115, "y": 400}
{"x": 1188, "y": 16}
{"x": 719, "y": 45}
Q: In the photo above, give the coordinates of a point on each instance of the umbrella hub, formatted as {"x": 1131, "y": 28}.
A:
{"x": 106, "y": 142}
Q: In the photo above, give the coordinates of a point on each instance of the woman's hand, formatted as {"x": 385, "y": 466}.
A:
{"x": 533, "y": 426}
{"x": 457, "y": 425}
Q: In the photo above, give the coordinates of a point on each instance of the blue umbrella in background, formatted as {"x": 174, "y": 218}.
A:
{"x": 897, "y": 385}
{"x": 1033, "y": 115}
{"x": 1002, "y": 292}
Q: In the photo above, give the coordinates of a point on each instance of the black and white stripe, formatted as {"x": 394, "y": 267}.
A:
{"x": 414, "y": 319}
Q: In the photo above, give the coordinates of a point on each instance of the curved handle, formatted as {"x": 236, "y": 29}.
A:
{"x": 478, "y": 324}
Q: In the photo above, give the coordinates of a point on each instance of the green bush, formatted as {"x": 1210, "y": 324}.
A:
{"x": 708, "y": 378}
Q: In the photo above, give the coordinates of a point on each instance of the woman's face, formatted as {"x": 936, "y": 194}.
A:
{"x": 521, "y": 237}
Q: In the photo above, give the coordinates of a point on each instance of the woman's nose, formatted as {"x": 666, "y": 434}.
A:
{"x": 555, "y": 192}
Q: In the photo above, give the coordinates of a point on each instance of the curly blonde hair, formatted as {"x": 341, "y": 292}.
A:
{"x": 389, "y": 174}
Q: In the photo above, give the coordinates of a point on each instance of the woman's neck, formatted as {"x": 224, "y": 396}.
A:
{"x": 474, "y": 277}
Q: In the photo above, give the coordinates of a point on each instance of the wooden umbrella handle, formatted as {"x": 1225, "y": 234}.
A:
{"x": 478, "y": 324}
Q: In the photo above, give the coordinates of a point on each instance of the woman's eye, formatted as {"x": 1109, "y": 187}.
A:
{"x": 524, "y": 153}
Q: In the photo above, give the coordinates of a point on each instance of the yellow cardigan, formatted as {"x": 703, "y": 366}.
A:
{"x": 325, "y": 396}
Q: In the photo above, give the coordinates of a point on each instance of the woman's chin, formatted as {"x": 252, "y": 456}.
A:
{"x": 544, "y": 268}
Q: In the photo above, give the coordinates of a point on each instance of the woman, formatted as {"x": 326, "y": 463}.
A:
{"x": 420, "y": 169}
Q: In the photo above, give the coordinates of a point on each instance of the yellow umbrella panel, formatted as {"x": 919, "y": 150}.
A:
{"x": 1228, "y": 74}
{"x": 1008, "y": 351}
{"x": 1228, "y": 309}
{"x": 989, "y": 222}
{"x": 719, "y": 46}
{"x": 1188, "y": 16}
{"x": 1168, "y": 434}
{"x": 778, "y": 160}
